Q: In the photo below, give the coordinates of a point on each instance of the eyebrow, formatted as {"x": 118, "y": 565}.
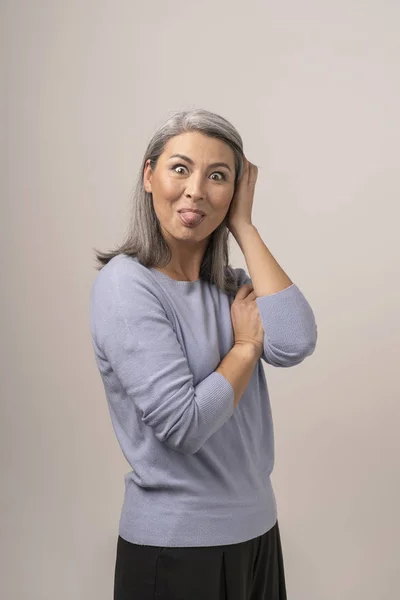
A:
{"x": 190, "y": 161}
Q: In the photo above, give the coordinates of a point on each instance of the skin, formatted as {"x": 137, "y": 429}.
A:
{"x": 177, "y": 183}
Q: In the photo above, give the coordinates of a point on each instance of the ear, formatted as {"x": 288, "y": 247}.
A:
{"x": 147, "y": 177}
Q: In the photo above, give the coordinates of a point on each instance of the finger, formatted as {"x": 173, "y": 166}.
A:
{"x": 251, "y": 173}
{"x": 243, "y": 175}
{"x": 244, "y": 290}
{"x": 252, "y": 296}
{"x": 254, "y": 174}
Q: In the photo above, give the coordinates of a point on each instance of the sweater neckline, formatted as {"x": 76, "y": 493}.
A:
{"x": 178, "y": 281}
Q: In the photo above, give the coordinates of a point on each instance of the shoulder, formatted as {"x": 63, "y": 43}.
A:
{"x": 121, "y": 275}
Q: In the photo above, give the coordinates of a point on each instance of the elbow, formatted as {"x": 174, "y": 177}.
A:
{"x": 180, "y": 439}
{"x": 290, "y": 357}
{"x": 178, "y": 428}
{"x": 305, "y": 352}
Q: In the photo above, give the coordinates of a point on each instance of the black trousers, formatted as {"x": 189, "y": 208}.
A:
{"x": 251, "y": 570}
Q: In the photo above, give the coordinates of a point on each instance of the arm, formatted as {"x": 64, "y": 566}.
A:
{"x": 288, "y": 319}
{"x": 133, "y": 336}
{"x": 267, "y": 275}
{"x": 238, "y": 366}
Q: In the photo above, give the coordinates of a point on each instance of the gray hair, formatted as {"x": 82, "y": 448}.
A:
{"x": 144, "y": 238}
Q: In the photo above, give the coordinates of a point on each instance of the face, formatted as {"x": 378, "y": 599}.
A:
{"x": 202, "y": 177}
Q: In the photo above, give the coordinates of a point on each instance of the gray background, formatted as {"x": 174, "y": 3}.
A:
{"x": 313, "y": 87}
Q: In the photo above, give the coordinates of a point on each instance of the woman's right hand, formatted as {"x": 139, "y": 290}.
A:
{"x": 246, "y": 321}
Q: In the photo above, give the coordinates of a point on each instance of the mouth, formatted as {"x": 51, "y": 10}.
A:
{"x": 192, "y": 210}
{"x": 191, "y": 218}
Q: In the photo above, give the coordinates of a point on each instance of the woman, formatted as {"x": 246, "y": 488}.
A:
{"x": 178, "y": 337}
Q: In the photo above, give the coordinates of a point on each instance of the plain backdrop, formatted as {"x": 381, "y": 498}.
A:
{"x": 313, "y": 88}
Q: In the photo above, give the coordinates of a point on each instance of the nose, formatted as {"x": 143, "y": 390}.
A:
{"x": 194, "y": 187}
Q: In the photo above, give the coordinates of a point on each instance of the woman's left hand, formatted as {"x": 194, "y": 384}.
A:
{"x": 240, "y": 209}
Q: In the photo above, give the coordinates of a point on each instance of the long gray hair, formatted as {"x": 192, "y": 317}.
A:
{"x": 144, "y": 238}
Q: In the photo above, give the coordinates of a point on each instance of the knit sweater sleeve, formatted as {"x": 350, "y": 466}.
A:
{"x": 133, "y": 336}
{"x": 290, "y": 330}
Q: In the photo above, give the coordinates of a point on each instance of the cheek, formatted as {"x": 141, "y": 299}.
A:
{"x": 168, "y": 189}
{"x": 225, "y": 198}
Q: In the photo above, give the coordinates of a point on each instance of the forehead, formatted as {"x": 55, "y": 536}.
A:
{"x": 199, "y": 147}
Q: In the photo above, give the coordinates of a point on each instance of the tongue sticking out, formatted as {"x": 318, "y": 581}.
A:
{"x": 191, "y": 218}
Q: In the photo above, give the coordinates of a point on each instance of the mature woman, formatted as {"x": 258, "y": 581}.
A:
{"x": 179, "y": 339}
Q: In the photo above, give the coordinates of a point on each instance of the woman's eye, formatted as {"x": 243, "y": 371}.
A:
{"x": 219, "y": 173}
{"x": 222, "y": 176}
{"x": 179, "y": 167}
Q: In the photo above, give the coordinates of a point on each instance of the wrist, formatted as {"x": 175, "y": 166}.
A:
{"x": 243, "y": 233}
{"x": 248, "y": 348}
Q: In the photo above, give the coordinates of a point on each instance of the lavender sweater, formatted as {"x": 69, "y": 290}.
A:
{"x": 200, "y": 467}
